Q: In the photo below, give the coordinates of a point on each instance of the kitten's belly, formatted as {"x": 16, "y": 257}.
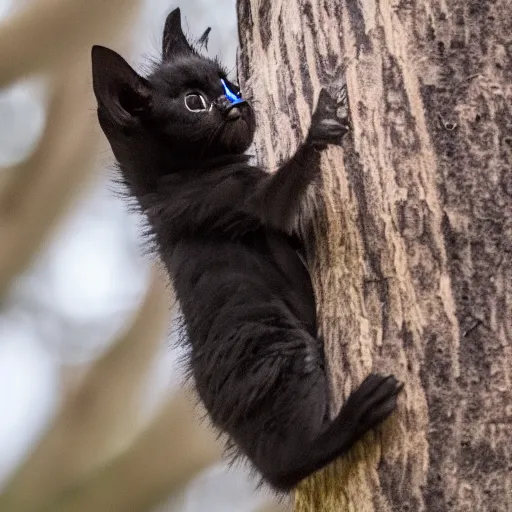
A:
{"x": 242, "y": 280}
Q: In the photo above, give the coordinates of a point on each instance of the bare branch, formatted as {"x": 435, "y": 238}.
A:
{"x": 174, "y": 449}
{"x": 45, "y": 185}
{"x": 37, "y": 38}
{"x": 100, "y": 419}
{"x": 33, "y": 195}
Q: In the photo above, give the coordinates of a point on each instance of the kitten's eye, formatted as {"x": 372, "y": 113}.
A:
{"x": 195, "y": 102}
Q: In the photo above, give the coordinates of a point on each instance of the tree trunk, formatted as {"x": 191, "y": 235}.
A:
{"x": 411, "y": 258}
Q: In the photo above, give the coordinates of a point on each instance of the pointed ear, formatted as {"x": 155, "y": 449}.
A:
{"x": 203, "y": 40}
{"x": 174, "y": 41}
{"x": 117, "y": 87}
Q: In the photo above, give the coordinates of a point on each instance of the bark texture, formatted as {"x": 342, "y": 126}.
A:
{"x": 411, "y": 253}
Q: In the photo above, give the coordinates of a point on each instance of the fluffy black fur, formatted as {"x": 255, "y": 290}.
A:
{"x": 224, "y": 229}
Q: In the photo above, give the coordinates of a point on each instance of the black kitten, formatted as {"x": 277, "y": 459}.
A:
{"x": 224, "y": 229}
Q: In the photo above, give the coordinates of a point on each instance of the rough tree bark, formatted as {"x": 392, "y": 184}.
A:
{"x": 411, "y": 258}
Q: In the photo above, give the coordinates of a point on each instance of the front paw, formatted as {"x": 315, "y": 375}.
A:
{"x": 370, "y": 404}
{"x": 326, "y": 131}
{"x": 327, "y": 127}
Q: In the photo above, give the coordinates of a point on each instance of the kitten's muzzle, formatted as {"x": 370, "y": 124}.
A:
{"x": 232, "y": 111}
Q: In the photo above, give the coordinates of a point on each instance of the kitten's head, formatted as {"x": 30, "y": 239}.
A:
{"x": 187, "y": 104}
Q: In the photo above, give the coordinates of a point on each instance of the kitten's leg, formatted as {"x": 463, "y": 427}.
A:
{"x": 277, "y": 199}
{"x": 372, "y": 402}
{"x": 288, "y": 435}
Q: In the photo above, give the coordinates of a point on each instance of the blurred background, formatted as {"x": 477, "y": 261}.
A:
{"x": 90, "y": 413}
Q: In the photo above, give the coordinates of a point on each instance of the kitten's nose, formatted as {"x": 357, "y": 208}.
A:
{"x": 233, "y": 114}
